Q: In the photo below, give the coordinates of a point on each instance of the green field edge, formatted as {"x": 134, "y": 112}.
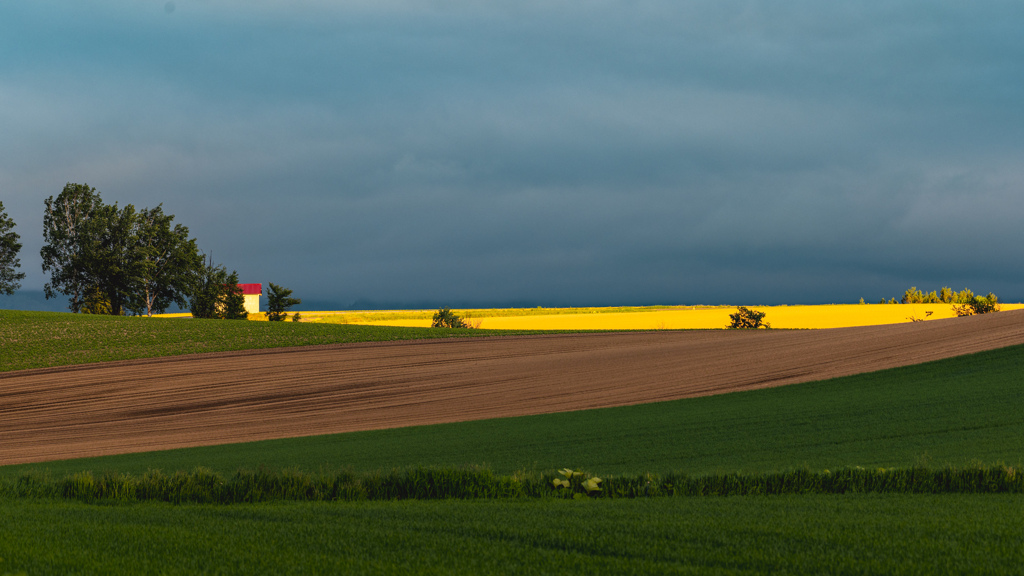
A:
{"x": 202, "y": 486}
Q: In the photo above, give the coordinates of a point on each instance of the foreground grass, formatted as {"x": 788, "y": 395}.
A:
{"x": 45, "y": 339}
{"x": 202, "y": 486}
{"x": 852, "y": 534}
{"x": 955, "y": 412}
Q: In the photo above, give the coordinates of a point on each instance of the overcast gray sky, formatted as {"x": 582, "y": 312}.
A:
{"x": 538, "y": 152}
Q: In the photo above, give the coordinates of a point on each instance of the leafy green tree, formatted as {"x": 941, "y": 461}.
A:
{"x": 167, "y": 262}
{"x": 109, "y": 254}
{"x": 95, "y": 302}
{"x": 915, "y": 296}
{"x": 965, "y": 296}
{"x": 445, "y": 318}
{"x": 207, "y": 289}
{"x": 946, "y": 295}
{"x": 9, "y": 248}
{"x": 135, "y": 259}
{"x": 911, "y": 296}
{"x": 63, "y": 221}
{"x": 215, "y": 293}
{"x": 746, "y": 318}
{"x": 977, "y": 305}
{"x": 965, "y": 303}
{"x": 279, "y": 301}
{"x": 234, "y": 300}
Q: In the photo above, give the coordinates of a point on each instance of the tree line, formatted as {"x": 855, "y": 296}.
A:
{"x": 110, "y": 259}
{"x": 965, "y": 302}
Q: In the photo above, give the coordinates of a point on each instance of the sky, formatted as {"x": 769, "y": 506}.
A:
{"x": 401, "y": 153}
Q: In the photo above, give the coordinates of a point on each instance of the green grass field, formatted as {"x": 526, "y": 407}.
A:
{"x": 45, "y": 339}
{"x": 952, "y": 412}
{"x": 852, "y": 534}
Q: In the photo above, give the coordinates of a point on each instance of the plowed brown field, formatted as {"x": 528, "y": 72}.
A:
{"x": 236, "y": 397}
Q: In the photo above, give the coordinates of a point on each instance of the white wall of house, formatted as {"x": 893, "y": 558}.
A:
{"x": 252, "y": 303}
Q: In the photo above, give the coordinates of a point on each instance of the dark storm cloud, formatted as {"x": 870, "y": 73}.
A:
{"x": 625, "y": 152}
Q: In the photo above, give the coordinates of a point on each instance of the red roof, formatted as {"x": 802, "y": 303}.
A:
{"x": 252, "y": 288}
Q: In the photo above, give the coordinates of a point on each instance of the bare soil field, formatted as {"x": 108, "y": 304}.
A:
{"x": 207, "y": 399}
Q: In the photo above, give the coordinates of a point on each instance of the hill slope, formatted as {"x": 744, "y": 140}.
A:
{"x": 235, "y": 397}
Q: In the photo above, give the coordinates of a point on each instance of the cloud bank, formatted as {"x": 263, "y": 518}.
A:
{"x": 537, "y": 152}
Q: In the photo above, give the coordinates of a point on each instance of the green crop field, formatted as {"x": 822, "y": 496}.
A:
{"x": 851, "y": 534}
{"x": 45, "y": 339}
{"x": 958, "y": 412}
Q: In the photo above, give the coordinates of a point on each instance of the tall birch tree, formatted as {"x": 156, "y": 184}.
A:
{"x": 63, "y": 221}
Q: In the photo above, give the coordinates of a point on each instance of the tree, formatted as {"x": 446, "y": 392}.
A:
{"x": 207, "y": 289}
{"x": 946, "y": 295}
{"x": 234, "y": 300}
{"x": 216, "y": 294}
{"x": 90, "y": 247}
{"x": 445, "y": 318}
{"x": 128, "y": 259}
{"x": 915, "y": 296}
{"x": 109, "y": 257}
{"x": 9, "y": 248}
{"x": 168, "y": 260}
{"x": 746, "y": 318}
{"x": 94, "y": 301}
{"x": 964, "y": 297}
{"x": 63, "y": 221}
{"x": 279, "y": 301}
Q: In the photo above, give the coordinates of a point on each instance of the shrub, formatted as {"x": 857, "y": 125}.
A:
{"x": 746, "y": 318}
{"x": 445, "y": 318}
{"x": 978, "y": 305}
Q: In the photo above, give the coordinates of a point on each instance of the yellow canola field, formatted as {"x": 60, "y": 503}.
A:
{"x": 819, "y": 316}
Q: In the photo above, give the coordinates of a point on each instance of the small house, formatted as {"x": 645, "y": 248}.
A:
{"x": 252, "y": 293}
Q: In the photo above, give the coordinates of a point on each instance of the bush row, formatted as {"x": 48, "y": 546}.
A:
{"x": 204, "y": 486}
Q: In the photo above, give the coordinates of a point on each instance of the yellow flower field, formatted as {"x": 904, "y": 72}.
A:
{"x": 656, "y": 318}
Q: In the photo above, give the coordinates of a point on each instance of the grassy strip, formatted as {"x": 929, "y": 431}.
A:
{"x": 45, "y": 339}
{"x": 851, "y": 534}
{"x": 956, "y": 412}
{"x": 203, "y": 486}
